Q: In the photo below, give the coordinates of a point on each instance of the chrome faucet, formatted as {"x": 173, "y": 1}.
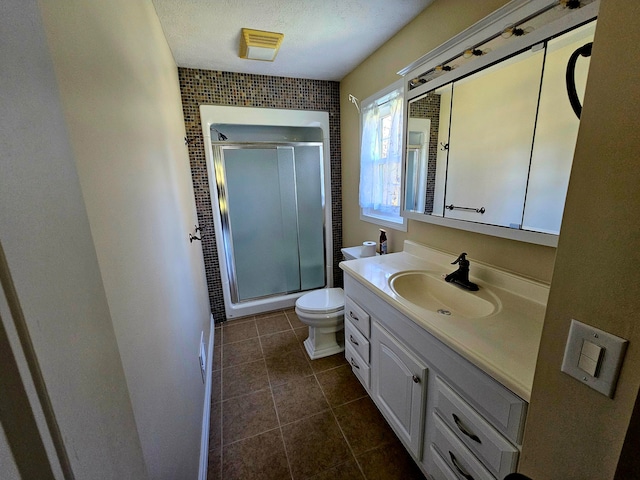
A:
{"x": 461, "y": 276}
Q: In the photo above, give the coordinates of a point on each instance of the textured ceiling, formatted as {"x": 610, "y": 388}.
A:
{"x": 323, "y": 39}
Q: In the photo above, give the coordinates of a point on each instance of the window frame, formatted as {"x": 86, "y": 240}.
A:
{"x": 368, "y": 214}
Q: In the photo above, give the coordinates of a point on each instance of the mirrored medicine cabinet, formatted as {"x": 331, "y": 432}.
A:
{"x": 490, "y": 142}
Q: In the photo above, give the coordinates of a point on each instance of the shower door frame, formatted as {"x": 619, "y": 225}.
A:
{"x": 217, "y": 114}
{"x": 225, "y": 220}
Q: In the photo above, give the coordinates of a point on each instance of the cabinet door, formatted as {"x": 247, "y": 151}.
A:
{"x": 399, "y": 387}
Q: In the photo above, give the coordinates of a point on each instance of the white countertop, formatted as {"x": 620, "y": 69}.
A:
{"x": 503, "y": 344}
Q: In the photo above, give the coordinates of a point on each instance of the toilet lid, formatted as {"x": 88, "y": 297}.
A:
{"x": 326, "y": 300}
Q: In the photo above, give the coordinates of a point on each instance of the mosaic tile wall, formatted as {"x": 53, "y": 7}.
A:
{"x": 205, "y": 87}
{"x": 429, "y": 107}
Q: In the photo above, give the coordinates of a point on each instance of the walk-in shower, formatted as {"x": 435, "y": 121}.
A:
{"x": 269, "y": 179}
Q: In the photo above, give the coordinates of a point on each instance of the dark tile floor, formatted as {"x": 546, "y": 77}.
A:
{"x": 276, "y": 415}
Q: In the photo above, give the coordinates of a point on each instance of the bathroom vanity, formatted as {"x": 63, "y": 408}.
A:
{"x": 451, "y": 370}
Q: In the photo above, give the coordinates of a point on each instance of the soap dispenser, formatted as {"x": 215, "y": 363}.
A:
{"x": 383, "y": 242}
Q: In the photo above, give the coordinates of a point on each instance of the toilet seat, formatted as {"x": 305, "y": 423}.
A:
{"x": 326, "y": 300}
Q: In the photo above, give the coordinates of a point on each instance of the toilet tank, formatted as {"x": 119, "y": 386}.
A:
{"x": 351, "y": 253}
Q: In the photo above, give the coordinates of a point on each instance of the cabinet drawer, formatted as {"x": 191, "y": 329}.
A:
{"x": 356, "y": 341}
{"x": 503, "y": 409}
{"x": 497, "y": 454}
{"x": 356, "y": 315}
{"x": 439, "y": 470}
{"x": 359, "y": 367}
{"x": 456, "y": 455}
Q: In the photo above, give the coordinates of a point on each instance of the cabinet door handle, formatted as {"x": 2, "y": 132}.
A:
{"x": 462, "y": 472}
{"x": 353, "y": 363}
{"x": 416, "y": 379}
{"x": 464, "y": 430}
{"x": 352, "y": 340}
{"x": 353, "y": 316}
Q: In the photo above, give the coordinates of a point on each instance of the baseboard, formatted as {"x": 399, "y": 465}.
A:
{"x": 206, "y": 410}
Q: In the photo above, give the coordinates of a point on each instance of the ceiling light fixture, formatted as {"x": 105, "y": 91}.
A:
{"x": 510, "y": 30}
{"x": 570, "y": 4}
{"x": 259, "y": 45}
{"x": 474, "y": 52}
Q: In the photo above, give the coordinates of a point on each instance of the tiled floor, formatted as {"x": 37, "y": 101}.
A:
{"x": 276, "y": 415}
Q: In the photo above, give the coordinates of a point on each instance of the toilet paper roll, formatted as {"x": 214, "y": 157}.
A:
{"x": 368, "y": 249}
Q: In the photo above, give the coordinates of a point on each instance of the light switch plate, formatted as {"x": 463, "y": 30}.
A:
{"x": 582, "y": 341}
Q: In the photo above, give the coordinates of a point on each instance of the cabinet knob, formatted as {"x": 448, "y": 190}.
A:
{"x": 416, "y": 379}
{"x": 353, "y": 316}
{"x": 354, "y": 364}
{"x": 353, "y": 340}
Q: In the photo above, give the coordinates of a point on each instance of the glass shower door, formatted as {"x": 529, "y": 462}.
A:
{"x": 270, "y": 199}
{"x": 310, "y": 205}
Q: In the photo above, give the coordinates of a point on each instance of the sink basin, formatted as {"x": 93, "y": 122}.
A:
{"x": 428, "y": 290}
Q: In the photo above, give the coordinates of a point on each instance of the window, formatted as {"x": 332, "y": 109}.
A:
{"x": 381, "y": 158}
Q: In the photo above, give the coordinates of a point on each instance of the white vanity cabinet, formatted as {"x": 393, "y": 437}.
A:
{"x": 455, "y": 420}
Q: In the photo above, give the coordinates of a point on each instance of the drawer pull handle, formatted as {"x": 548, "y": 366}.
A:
{"x": 416, "y": 379}
{"x": 353, "y": 316}
{"x": 354, "y": 364}
{"x": 353, "y": 340}
{"x": 454, "y": 460}
{"x": 463, "y": 429}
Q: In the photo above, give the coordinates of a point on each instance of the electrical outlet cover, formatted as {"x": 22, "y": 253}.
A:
{"x": 202, "y": 356}
{"x": 613, "y": 350}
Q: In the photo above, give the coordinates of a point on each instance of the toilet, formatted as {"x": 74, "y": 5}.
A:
{"x": 323, "y": 312}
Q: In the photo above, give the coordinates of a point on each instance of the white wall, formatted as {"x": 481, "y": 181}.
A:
{"x": 45, "y": 234}
{"x": 96, "y": 206}
{"x": 121, "y": 99}
{"x": 9, "y": 467}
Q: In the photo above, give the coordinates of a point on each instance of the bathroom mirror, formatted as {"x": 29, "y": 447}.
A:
{"x": 491, "y": 149}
